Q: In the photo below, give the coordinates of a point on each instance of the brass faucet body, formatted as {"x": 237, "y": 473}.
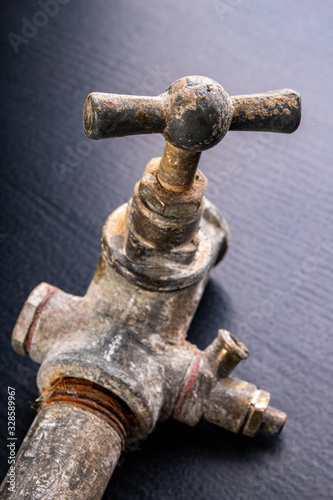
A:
{"x": 116, "y": 361}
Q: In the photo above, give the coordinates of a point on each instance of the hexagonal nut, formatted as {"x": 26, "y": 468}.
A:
{"x": 27, "y": 316}
{"x": 167, "y": 203}
{"x": 255, "y": 416}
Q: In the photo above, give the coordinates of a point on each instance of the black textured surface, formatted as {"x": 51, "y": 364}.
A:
{"x": 274, "y": 289}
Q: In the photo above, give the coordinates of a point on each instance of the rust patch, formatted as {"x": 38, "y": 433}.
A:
{"x": 92, "y": 397}
{"x": 142, "y": 118}
{"x": 273, "y": 111}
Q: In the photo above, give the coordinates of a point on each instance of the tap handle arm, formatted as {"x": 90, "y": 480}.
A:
{"x": 273, "y": 111}
{"x": 194, "y": 113}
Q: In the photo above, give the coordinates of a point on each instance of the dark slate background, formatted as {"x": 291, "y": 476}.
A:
{"x": 273, "y": 289}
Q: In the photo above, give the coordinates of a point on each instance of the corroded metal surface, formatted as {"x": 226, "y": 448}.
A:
{"x": 111, "y": 115}
{"x": 117, "y": 360}
{"x": 274, "y": 111}
{"x": 177, "y": 168}
{"x": 194, "y": 113}
{"x": 69, "y": 453}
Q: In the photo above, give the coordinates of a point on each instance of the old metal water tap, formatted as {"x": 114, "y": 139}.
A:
{"x": 116, "y": 361}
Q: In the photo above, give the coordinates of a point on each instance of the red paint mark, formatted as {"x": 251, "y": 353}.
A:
{"x": 37, "y": 315}
{"x": 194, "y": 371}
{"x": 188, "y": 383}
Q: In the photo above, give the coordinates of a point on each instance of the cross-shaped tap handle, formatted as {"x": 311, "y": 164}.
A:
{"x": 193, "y": 115}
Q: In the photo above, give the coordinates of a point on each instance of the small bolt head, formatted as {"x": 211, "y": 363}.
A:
{"x": 26, "y": 318}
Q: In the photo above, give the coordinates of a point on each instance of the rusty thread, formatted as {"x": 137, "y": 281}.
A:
{"x": 92, "y": 397}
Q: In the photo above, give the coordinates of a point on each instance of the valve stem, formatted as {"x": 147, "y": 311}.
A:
{"x": 177, "y": 168}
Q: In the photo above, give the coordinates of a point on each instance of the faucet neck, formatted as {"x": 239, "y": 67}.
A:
{"x": 177, "y": 168}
